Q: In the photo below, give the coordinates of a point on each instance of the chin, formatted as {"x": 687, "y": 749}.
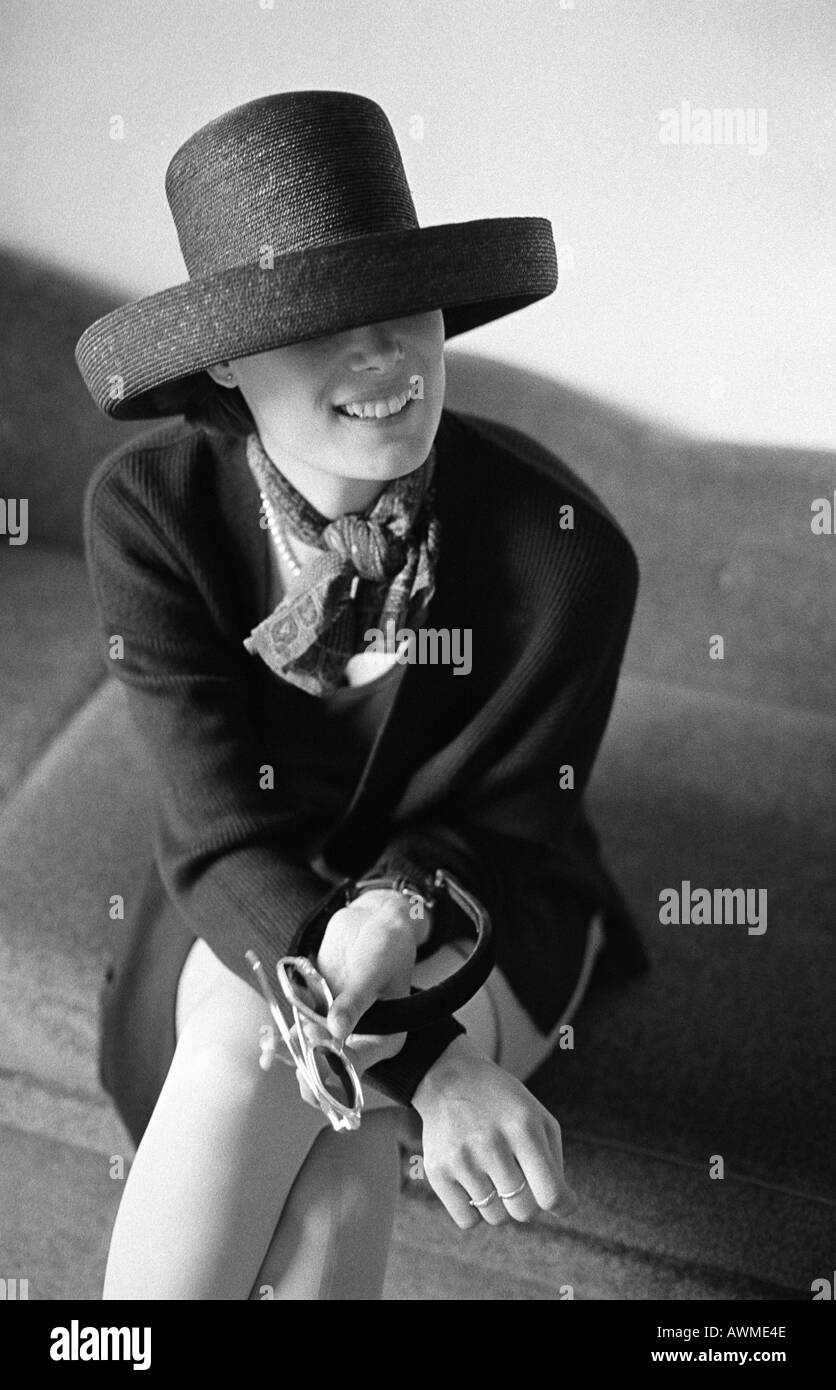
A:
{"x": 394, "y": 460}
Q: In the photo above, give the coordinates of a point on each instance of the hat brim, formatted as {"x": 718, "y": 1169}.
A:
{"x": 473, "y": 271}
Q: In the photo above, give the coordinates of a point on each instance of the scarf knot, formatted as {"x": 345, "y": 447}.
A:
{"x": 375, "y": 552}
{"x": 320, "y": 622}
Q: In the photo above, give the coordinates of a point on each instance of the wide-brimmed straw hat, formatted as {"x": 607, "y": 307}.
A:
{"x": 295, "y": 220}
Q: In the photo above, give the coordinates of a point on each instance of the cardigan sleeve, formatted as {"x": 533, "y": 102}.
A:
{"x": 504, "y": 832}
{"x": 229, "y": 851}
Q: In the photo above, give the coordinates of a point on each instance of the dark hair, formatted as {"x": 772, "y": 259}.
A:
{"x": 203, "y": 402}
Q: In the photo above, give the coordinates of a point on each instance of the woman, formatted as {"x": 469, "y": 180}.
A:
{"x": 245, "y": 563}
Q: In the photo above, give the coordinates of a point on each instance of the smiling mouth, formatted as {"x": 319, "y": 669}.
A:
{"x": 387, "y": 408}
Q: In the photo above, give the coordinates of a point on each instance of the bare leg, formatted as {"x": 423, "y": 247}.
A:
{"x": 240, "y": 1190}
{"x": 219, "y": 1157}
{"x": 333, "y": 1236}
{"x": 332, "y": 1239}
{"x": 333, "y": 1208}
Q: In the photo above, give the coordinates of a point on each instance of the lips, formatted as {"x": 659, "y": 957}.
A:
{"x": 379, "y": 408}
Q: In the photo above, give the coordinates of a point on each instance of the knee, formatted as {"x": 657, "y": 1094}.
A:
{"x": 223, "y": 1066}
{"x": 345, "y": 1181}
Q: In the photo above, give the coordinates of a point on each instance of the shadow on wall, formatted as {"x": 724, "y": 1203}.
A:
{"x": 51, "y": 434}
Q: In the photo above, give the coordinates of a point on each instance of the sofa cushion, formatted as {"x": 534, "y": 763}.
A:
{"x": 76, "y": 832}
{"x": 724, "y": 1047}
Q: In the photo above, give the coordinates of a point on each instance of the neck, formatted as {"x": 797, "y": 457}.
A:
{"x": 332, "y": 495}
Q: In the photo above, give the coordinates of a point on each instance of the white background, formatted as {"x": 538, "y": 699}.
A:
{"x": 700, "y": 282}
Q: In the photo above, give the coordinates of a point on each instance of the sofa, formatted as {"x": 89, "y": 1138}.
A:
{"x": 696, "y": 1103}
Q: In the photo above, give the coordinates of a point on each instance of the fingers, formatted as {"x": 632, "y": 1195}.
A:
{"x": 360, "y": 989}
{"x": 458, "y": 1191}
{"x": 314, "y": 1032}
{"x": 367, "y": 1049}
{"x": 365, "y": 955}
{"x": 514, "y": 1192}
{"x": 366, "y": 982}
{"x": 267, "y": 1047}
{"x": 519, "y": 1177}
{"x": 348, "y": 1008}
{"x": 568, "y": 1201}
{"x": 515, "y": 1196}
{"x": 270, "y": 1054}
{"x": 456, "y": 1199}
{"x": 539, "y": 1154}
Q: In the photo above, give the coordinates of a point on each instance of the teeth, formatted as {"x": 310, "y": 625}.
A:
{"x": 376, "y": 410}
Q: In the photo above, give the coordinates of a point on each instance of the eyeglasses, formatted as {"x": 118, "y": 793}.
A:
{"x": 323, "y": 1065}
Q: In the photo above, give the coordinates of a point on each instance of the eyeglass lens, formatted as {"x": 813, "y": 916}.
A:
{"x": 334, "y": 1076}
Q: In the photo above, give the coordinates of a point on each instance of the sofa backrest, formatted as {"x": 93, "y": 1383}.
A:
{"x": 51, "y": 434}
{"x": 722, "y": 533}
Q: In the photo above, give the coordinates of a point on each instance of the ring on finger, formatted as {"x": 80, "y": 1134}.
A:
{"x": 483, "y": 1202}
{"x": 506, "y": 1196}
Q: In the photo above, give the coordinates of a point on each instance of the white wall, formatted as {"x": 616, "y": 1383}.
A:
{"x": 700, "y": 281}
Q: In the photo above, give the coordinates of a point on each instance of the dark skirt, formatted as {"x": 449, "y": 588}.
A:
{"x": 137, "y": 1002}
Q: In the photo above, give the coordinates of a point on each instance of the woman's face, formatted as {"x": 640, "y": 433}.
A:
{"x": 364, "y": 404}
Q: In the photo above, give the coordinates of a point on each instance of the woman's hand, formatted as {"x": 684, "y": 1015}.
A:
{"x": 367, "y": 953}
{"x": 483, "y": 1130}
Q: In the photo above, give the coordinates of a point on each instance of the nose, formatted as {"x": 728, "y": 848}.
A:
{"x": 376, "y": 347}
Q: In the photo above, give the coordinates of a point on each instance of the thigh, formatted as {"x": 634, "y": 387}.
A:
{"x": 219, "y": 1154}
{"x": 219, "y": 1021}
{"x": 204, "y": 973}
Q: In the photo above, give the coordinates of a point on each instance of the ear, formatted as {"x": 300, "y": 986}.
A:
{"x": 224, "y": 374}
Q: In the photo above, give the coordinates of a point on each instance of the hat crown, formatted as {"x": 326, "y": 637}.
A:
{"x": 285, "y": 173}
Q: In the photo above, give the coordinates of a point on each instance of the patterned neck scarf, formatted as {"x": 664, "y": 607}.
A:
{"x": 393, "y": 548}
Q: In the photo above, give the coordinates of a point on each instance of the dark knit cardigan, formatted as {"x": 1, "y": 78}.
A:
{"x": 467, "y": 772}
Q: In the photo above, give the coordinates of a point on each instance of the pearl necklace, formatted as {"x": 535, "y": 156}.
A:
{"x": 276, "y": 531}
{"x": 278, "y": 535}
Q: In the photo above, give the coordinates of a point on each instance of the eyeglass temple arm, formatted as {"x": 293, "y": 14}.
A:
{"x": 269, "y": 996}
